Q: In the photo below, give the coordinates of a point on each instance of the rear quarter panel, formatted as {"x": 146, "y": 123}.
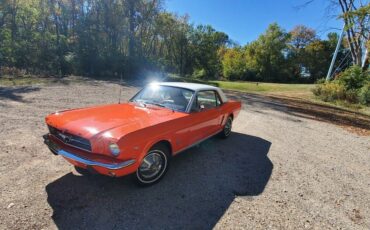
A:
{"x": 235, "y": 107}
{"x": 231, "y": 108}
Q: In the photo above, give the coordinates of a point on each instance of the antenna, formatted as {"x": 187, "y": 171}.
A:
{"x": 120, "y": 90}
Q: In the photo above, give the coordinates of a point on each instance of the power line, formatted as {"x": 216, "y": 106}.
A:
{"x": 340, "y": 64}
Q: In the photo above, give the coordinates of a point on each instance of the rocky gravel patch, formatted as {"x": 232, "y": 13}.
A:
{"x": 278, "y": 170}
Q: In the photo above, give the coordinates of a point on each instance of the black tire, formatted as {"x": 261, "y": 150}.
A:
{"x": 155, "y": 167}
{"x": 226, "y": 131}
{"x": 82, "y": 171}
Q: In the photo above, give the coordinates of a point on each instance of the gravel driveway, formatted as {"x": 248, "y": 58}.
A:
{"x": 278, "y": 170}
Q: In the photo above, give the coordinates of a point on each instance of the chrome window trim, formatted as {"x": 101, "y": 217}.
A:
{"x": 188, "y": 108}
{"x": 195, "y": 96}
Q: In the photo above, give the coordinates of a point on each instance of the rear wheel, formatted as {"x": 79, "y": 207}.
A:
{"x": 227, "y": 128}
{"x": 153, "y": 166}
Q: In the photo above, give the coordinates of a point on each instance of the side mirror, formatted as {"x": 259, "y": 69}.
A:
{"x": 198, "y": 108}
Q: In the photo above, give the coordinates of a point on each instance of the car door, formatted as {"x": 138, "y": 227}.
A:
{"x": 205, "y": 114}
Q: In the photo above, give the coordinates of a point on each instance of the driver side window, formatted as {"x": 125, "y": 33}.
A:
{"x": 205, "y": 100}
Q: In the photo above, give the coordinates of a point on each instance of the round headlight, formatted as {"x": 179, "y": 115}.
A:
{"x": 114, "y": 149}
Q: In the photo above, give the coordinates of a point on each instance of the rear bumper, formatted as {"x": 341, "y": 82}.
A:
{"x": 84, "y": 161}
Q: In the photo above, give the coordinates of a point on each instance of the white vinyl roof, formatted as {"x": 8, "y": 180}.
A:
{"x": 194, "y": 86}
{"x": 191, "y": 86}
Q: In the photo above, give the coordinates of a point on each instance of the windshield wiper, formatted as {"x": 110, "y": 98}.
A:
{"x": 140, "y": 102}
{"x": 155, "y": 103}
{"x": 145, "y": 103}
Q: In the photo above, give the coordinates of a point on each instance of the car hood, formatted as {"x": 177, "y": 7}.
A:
{"x": 89, "y": 122}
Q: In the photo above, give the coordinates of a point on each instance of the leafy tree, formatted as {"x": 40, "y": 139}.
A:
{"x": 134, "y": 37}
{"x": 96, "y": 37}
{"x": 300, "y": 37}
{"x": 205, "y": 42}
{"x": 356, "y": 16}
{"x": 317, "y": 58}
{"x": 233, "y": 63}
{"x": 268, "y": 54}
{"x": 175, "y": 54}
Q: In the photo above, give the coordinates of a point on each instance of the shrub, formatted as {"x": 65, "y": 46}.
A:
{"x": 200, "y": 74}
{"x": 320, "y": 81}
{"x": 330, "y": 91}
{"x": 353, "y": 78}
{"x": 12, "y": 71}
{"x": 351, "y": 95}
{"x": 352, "y": 85}
{"x": 364, "y": 94}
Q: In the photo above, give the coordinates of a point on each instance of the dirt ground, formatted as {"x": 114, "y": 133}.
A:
{"x": 282, "y": 168}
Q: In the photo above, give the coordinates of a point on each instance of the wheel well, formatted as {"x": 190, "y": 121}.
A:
{"x": 165, "y": 143}
{"x": 232, "y": 116}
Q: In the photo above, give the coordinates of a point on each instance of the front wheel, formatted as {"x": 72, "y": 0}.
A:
{"x": 153, "y": 166}
{"x": 225, "y": 133}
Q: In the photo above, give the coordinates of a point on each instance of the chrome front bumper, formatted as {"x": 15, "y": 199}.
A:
{"x": 57, "y": 151}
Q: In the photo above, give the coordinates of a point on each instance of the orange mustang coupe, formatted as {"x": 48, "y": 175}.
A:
{"x": 140, "y": 136}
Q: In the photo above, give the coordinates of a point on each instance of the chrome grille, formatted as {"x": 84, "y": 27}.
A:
{"x": 70, "y": 139}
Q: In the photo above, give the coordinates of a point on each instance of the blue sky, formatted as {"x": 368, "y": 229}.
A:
{"x": 245, "y": 20}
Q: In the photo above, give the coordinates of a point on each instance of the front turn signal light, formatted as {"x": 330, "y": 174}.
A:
{"x": 114, "y": 149}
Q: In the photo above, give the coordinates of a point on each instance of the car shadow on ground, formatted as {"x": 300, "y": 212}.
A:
{"x": 197, "y": 190}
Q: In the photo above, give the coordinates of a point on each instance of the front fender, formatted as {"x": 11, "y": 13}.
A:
{"x": 138, "y": 143}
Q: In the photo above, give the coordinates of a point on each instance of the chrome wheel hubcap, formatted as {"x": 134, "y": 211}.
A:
{"x": 151, "y": 165}
{"x": 228, "y": 125}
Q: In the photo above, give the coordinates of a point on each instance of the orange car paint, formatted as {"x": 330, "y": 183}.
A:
{"x": 136, "y": 129}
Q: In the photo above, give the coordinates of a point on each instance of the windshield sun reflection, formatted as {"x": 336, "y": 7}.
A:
{"x": 173, "y": 98}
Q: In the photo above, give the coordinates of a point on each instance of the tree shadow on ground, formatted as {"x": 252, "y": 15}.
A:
{"x": 305, "y": 109}
{"x": 197, "y": 190}
{"x": 16, "y": 93}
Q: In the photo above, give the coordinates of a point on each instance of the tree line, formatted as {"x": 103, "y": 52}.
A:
{"x": 280, "y": 56}
{"x": 132, "y": 37}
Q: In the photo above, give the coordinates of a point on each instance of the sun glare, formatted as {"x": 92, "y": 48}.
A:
{"x": 154, "y": 85}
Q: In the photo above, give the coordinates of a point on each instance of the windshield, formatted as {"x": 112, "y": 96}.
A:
{"x": 164, "y": 96}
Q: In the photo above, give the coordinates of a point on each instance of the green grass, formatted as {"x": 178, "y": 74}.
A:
{"x": 258, "y": 87}
{"x": 22, "y": 80}
{"x": 251, "y": 87}
{"x": 298, "y": 91}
